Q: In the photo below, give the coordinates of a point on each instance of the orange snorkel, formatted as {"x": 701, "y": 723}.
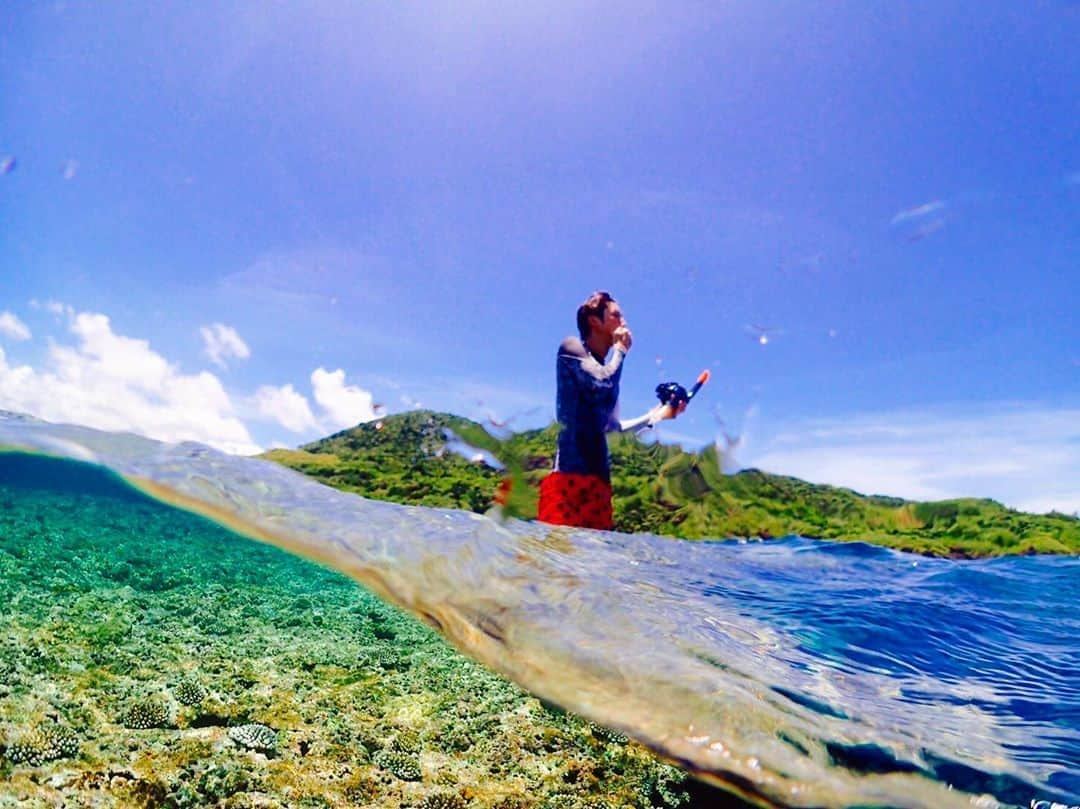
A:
{"x": 703, "y": 377}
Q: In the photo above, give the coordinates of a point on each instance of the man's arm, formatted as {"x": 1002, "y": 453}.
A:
{"x": 593, "y": 375}
{"x": 587, "y": 371}
{"x": 648, "y": 420}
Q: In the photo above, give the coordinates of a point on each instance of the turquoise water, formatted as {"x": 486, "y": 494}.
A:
{"x": 112, "y": 604}
{"x": 791, "y": 673}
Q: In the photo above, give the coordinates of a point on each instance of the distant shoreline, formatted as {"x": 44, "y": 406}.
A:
{"x": 659, "y": 489}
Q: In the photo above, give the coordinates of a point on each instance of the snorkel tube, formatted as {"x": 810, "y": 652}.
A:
{"x": 703, "y": 377}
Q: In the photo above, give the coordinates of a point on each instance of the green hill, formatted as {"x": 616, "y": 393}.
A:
{"x": 410, "y": 458}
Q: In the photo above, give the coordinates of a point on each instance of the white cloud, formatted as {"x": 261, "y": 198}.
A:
{"x": 221, "y": 342}
{"x": 11, "y": 326}
{"x": 112, "y": 382}
{"x": 344, "y": 405}
{"x": 918, "y": 211}
{"x": 53, "y": 307}
{"x": 287, "y": 407}
{"x": 1026, "y": 456}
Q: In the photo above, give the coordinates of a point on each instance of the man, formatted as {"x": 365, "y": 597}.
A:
{"x": 578, "y": 491}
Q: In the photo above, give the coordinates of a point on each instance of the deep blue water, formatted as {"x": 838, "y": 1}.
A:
{"x": 1000, "y": 635}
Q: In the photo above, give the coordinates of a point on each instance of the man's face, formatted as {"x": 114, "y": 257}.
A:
{"x": 612, "y": 320}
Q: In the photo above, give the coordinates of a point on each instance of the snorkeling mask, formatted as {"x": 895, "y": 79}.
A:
{"x": 674, "y": 394}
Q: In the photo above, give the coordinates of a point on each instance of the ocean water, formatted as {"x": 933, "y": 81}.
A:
{"x": 788, "y": 673}
{"x": 146, "y": 636}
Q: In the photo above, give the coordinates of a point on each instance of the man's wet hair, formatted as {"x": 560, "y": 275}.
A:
{"x": 595, "y": 305}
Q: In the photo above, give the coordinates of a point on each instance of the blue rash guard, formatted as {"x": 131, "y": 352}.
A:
{"x": 586, "y": 401}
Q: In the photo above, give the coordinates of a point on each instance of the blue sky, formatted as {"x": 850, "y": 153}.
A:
{"x": 251, "y": 224}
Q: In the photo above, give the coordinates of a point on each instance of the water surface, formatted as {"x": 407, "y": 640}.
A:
{"x": 791, "y": 673}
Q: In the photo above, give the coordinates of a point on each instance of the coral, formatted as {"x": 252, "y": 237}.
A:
{"x": 42, "y": 744}
{"x": 580, "y": 772}
{"x": 361, "y": 789}
{"x": 144, "y": 715}
{"x": 415, "y": 713}
{"x": 197, "y": 788}
{"x": 562, "y": 801}
{"x": 400, "y": 765}
{"x": 501, "y": 755}
{"x": 255, "y": 737}
{"x": 189, "y": 692}
{"x": 442, "y": 800}
{"x": 607, "y": 734}
{"x": 549, "y": 739}
{"x": 383, "y": 632}
{"x": 406, "y": 741}
{"x": 457, "y": 739}
{"x": 513, "y": 802}
{"x": 389, "y": 660}
{"x": 220, "y": 782}
{"x": 366, "y": 744}
{"x": 663, "y": 787}
{"x": 142, "y": 792}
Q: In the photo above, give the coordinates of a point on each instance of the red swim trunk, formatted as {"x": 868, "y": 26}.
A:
{"x": 583, "y": 501}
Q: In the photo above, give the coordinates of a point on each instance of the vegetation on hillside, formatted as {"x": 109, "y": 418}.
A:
{"x": 427, "y": 458}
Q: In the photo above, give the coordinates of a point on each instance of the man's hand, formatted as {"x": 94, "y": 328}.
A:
{"x": 664, "y": 411}
{"x": 623, "y": 338}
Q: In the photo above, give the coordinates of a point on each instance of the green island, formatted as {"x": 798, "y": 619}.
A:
{"x": 425, "y": 458}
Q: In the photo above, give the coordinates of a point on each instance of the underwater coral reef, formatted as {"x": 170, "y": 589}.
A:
{"x": 152, "y": 658}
